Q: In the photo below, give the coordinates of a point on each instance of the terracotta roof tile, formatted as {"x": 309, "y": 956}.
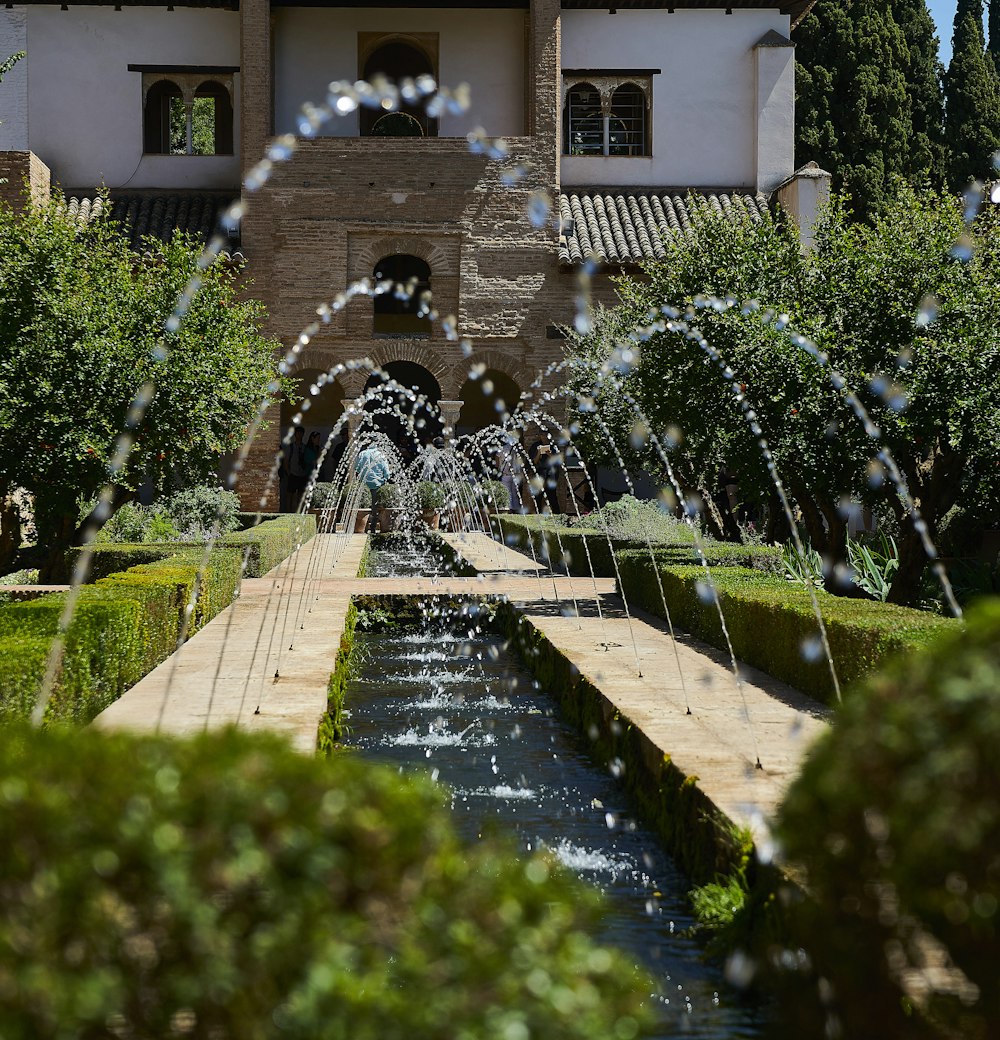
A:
{"x": 156, "y": 214}
{"x": 630, "y": 227}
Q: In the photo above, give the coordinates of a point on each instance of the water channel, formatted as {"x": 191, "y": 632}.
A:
{"x": 454, "y": 702}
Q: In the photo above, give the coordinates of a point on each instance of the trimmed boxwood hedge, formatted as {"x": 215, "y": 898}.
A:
{"x": 266, "y": 545}
{"x": 523, "y": 532}
{"x": 122, "y": 627}
{"x": 896, "y": 819}
{"x": 770, "y": 620}
{"x": 226, "y": 886}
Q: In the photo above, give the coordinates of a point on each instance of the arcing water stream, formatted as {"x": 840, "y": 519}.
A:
{"x": 451, "y": 700}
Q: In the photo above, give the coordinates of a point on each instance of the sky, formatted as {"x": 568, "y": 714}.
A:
{"x": 943, "y": 13}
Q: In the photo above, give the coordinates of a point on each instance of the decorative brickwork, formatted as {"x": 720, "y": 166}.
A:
{"x": 342, "y": 204}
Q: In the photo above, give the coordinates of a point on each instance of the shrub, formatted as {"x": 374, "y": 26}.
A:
{"x": 388, "y": 496}
{"x": 583, "y": 549}
{"x": 228, "y": 887}
{"x": 324, "y": 495}
{"x": 198, "y": 511}
{"x": 771, "y": 621}
{"x": 271, "y": 541}
{"x": 128, "y": 524}
{"x": 122, "y": 627}
{"x": 430, "y": 495}
{"x": 897, "y": 821}
{"x": 633, "y": 519}
{"x": 358, "y": 493}
{"x": 495, "y": 491}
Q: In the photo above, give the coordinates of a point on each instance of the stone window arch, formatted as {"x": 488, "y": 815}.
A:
{"x": 187, "y": 114}
{"x": 607, "y": 114}
{"x": 403, "y": 305}
{"x": 398, "y": 57}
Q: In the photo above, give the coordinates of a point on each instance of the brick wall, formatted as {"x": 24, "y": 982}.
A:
{"x": 326, "y": 218}
{"x": 21, "y": 170}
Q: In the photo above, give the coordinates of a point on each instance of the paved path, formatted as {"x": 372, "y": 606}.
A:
{"x": 225, "y": 674}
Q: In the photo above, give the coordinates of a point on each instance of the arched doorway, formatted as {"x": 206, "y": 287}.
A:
{"x": 326, "y": 406}
{"x": 391, "y": 408}
{"x": 401, "y": 309}
{"x": 398, "y": 58}
{"x": 481, "y": 398}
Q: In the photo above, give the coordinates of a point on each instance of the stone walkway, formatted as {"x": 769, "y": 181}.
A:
{"x": 291, "y": 620}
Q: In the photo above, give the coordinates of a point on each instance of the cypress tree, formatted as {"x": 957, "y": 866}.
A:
{"x": 994, "y": 27}
{"x": 972, "y": 99}
{"x": 869, "y": 98}
{"x": 853, "y": 100}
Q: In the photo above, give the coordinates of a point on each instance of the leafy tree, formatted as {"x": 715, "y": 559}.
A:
{"x": 857, "y": 296}
{"x": 972, "y": 90}
{"x": 82, "y": 323}
{"x": 868, "y": 102}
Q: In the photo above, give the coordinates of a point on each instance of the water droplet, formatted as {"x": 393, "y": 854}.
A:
{"x": 539, "y": 208}
{"x": 963, "y": 249}
{"x": 927, "y": 312}
{"x": 812, "y": 648}
{"x": 706, "y": 593}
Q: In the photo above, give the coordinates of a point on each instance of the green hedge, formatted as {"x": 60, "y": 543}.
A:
{"x": 268, "y": 543}
{"x": 896, "y": 819}
{"x": 771, "y": 620}
{"x": 525, "y": 532}
{"x": 226, "y": 886}
{"x": 122, "y": 627}
{"x": 272, "y": 541}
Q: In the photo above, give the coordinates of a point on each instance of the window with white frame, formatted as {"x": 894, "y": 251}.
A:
{"x": 606, "y": 114}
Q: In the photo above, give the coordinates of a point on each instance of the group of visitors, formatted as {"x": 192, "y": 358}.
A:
{"x": 300, "y": 461}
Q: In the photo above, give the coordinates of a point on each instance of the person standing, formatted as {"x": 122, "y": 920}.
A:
{"x": 295, "y": 469}
{"x": 372, "y": 469}
{"x": 310, "y": 455}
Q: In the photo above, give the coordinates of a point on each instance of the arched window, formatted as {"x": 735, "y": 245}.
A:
{"x": 607, "y": 114}
{"x": 163, "y": 124}
{"x": 187, "y": 115}
{"x": 212, "y": 120}
{"x": 627, "y": 129}
{"x": 402, "y": 306}
{"x": 398, "y": 59}
{"x": 583, "y": 124}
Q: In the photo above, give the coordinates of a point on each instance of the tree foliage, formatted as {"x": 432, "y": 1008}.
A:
{"x": 972, "y": 88}
{"x": 868, "y": 96}
{"x": 933, "y": 390}
{"x": 82, "y": 333}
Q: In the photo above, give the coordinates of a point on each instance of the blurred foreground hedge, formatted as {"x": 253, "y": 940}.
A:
{"x": 896, "y": 819}
{"x": 227, "y": 887}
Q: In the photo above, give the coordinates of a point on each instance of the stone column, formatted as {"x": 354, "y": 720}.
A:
{"x": 449, "y": 415}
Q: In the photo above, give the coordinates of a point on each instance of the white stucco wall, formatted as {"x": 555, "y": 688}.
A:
{"x": 14, "y": 89}
{"x": 85, "y": 107}
{"x": 704, "y": 100}
{"x": 484, "y": 48}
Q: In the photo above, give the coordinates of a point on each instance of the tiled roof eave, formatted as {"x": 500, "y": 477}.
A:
{"x": 623, "y": 229}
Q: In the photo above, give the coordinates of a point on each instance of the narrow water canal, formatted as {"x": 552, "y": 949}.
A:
{"x": 462, "y": 707}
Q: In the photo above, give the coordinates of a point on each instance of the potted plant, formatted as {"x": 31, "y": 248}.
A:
{"x": 356, "y": 496}
{"x": 431, "y": 497}
{"x": 323, "y": 504}
{"x": 388, "y": 500}
{"x": 495, "y": 495}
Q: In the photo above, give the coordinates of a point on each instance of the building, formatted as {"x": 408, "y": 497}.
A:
{"x": 616, "y": 113}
